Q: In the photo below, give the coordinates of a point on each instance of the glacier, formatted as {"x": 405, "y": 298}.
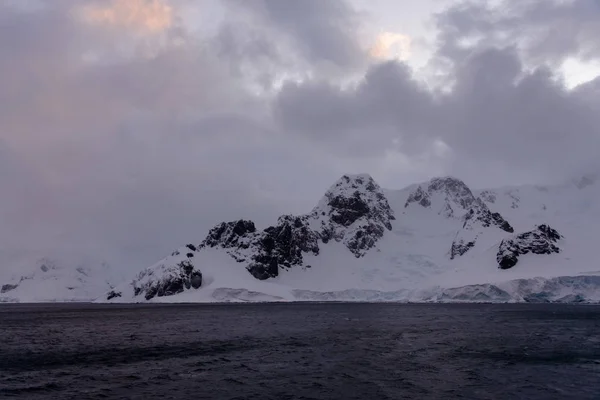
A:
{"x": 436, "y": 241}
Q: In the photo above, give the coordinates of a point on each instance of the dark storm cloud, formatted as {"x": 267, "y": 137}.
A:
{"x": 497, "y": 114}
{"x": 364, "y": 119}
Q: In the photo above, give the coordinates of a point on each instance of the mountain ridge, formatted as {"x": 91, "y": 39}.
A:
{"x": 360, "y": 237}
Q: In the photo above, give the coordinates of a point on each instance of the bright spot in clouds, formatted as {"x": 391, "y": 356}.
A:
{"x": 390, "y": 45}
{"x": 577, "y": 71}
{"x": 143, "y": 16}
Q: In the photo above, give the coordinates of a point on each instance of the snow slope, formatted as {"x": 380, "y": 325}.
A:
{"x": 47, "y": 280}
{"x": 434, "y": 241}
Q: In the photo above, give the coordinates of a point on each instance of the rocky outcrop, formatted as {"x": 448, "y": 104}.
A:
{"x": 448, "y": 196}
{"x": 542, "y": 240}
{"x": 164, "y": 279}
{"x": 454, "y": 199}
{"x": 479, "y": 212}
{"x": 282, "y": 246}
{"x": 230, "y": 234}
{"x": 266, "y": 252}
{"x": 455, "y": 191}
{"x": 420, "y": 197}
{"x": 8, "y": 287}
{"x": 477, "y": 220}
{"x": 353, "y": 211}
{"x": 460, "y": 247}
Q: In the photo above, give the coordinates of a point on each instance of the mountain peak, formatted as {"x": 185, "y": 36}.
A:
{"x": 351, "y": 183}
{"x": 454, "y": 188}
{"x": 355, "y": 211}
{"x": 445, "y": 194}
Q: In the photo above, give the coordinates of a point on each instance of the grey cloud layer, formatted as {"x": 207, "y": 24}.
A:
{"x": 136, "y": 154}
{"x": 546, "y": 30}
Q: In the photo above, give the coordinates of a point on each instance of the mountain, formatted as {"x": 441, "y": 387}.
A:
{"x": 47, "y": 279}
{"x": 433, "y": 241}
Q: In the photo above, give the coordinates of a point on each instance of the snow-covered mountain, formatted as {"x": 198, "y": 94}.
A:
{"x": 47, "y": 280}
{"x": 434, "y": 241}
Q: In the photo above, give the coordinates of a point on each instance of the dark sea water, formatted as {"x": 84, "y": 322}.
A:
{"x": 299, "y": 351}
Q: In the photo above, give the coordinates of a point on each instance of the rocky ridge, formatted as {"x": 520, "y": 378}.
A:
{"x": 450, "y": 197}
{"x": 355, "y": 213}
{"x": 541, "y": 240}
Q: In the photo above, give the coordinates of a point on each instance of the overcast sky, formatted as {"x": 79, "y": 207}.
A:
{"x": 130, "y": 127}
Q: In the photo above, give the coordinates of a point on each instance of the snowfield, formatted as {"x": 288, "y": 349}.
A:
{"x": 437, "y": 241}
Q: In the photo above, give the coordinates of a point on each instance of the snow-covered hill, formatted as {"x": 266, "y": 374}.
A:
{"x": 434, "y": 241}
{"x": 47, "y": 280}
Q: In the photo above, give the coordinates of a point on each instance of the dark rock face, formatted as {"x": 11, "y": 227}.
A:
{"x": 541, "y": 240}
{"x": 229, "y": 234}
{"x": 478, "y": 218}
{"x": 8, "y": 287}
{"x": 460, "y": 247}
{"x": 354, "y": 211}
{"x": 458, "y": 196}
{"x": 480, "y": 212}
{"x": 457, "y": 199}
{"x": 358, "y": 213}
{"x": 178, "y": 278}
{"x": 455, "y": 190}
{"x": 113, "y": 294}
{"x": 346, "y": 210}
{"x": 279, "y": 246}
{"x": 420, "y": 197}
{"x": 365, "y": 238}
{"x": 282, "y": 245}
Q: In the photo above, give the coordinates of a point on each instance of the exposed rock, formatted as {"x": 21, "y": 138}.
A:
{"x": 455, "y": 191}
{"x": 230, "y": 234}
{"x": 541, "y": 240}
{"x": 454, "y": 199}
{"x": 265, "y": 252}
{"x": 460, "y": 247}
{"x": 113, "y": 294}
{"x": 458, "y": 201}
{"x": 354, "y": 211}
{"x": 8, "y": 287}
{"x": 165, "y": 280}
{"x": 420, "y": 197}
{"x": 476, "y": 221}
{"x": 282, "y": 245}
{"x": 481, "y": 213}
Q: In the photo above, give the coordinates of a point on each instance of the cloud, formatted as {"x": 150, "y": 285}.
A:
{"x": 143, "y": 16}
{"x": 545, "y": 31}
{"x": 499, "y": 117}
{"x": 127, "y": 133}
{"x": 390, "y": 45}
{"x": 321, "y": 31}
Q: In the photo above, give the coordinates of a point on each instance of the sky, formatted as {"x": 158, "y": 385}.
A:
{"x": 130, "y": 127}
